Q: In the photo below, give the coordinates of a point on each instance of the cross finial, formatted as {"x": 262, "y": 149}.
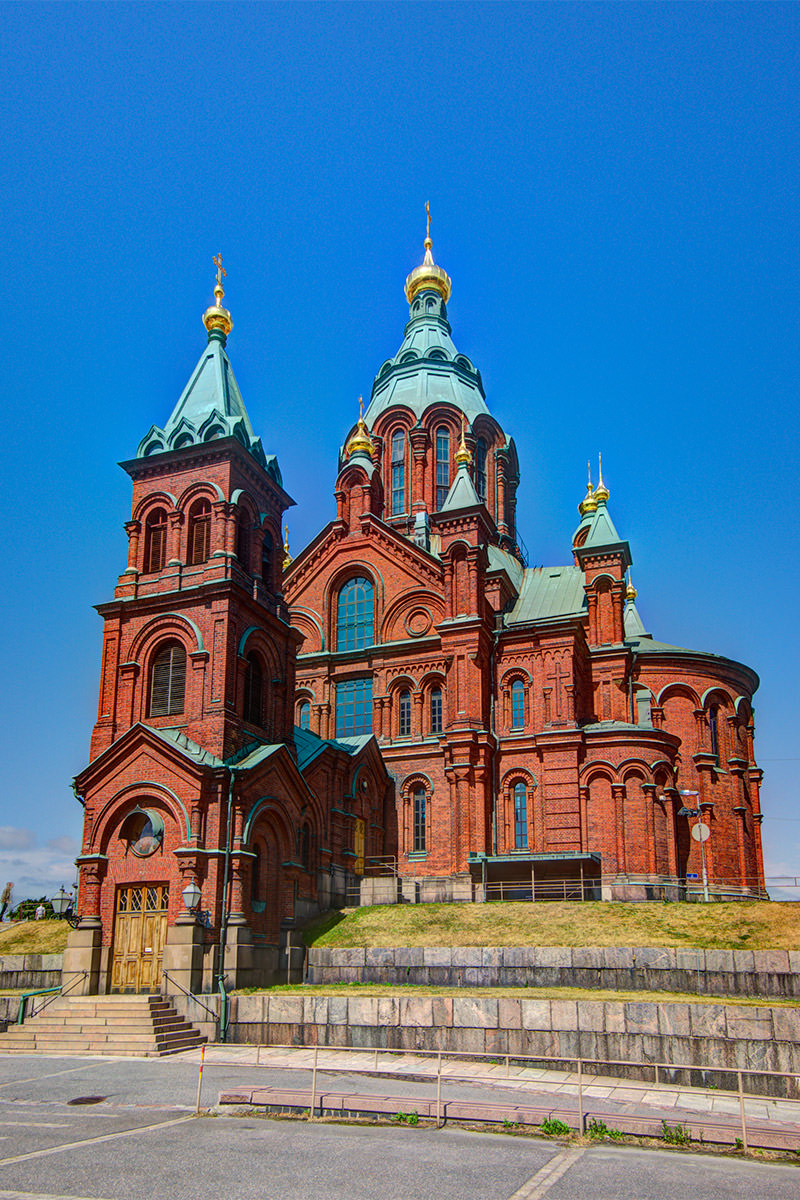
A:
{"x": 360, "y": 407}
{"x": 589, "y": 470}
{"x": 221, "y": 272}
{"x": 428, "y": 211}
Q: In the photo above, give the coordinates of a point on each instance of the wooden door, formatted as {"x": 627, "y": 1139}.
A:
{"x": 139, "y": 934}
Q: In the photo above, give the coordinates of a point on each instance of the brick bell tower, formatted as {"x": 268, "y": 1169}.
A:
{"x": 196, "y": 695}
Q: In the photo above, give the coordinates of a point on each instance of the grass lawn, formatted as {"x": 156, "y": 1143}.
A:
{"x": 750, "y": 925}
{"x": 515, "y": 993}
{"x": 34, "y": 937}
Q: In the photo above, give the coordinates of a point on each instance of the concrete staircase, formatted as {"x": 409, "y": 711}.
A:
{"x": 141, "y": 1026}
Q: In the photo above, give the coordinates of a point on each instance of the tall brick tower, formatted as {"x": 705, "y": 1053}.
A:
{"x": 196, "y": 773}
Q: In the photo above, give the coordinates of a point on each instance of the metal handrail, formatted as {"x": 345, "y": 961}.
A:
{"x": 191, "y": 995}
{"x": 46, "y": 992}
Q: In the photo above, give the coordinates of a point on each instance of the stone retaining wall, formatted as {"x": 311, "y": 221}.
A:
{"x": 30, "y": 971}
{"x": 723, "y": 1037}
{"x": 761, "y": 973}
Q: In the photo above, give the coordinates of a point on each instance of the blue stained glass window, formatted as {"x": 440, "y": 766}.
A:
{"x": 354, "y": 615}
{"x": 354, "y": 707}
{"x": 442, "y": 465}
{"x": 398, "y": 472}
{"x": 305, "y": 715}
{"x": 520, "y": 817}
{"x": 420, "y": 828}
{"x": 518, "y": 704}
{"x": 480, "y": 469}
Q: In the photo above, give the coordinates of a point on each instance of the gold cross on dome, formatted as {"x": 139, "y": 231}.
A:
{"x": 221, "y": 272}
{"x": 428, "y": 211}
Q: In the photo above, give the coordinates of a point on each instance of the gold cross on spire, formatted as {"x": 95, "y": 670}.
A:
{"x": 428, "y": 211}
{"x": 221, "y": 272}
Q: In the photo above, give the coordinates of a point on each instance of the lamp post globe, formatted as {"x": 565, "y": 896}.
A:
{"x": 191, "y": 896}
{"x": 60, "y": 902}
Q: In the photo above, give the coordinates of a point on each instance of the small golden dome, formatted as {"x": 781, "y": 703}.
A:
{"x": 630, "y": 591}
{"x": 588, "y": 504}
{"x": 463, "y": 453}
{"x": 218, "y": 317}
{"x": 360, "y": 442}
{"x": 428, "y": 275}
{"x": 287, "y": 558}
{"x": 601, "y": 492}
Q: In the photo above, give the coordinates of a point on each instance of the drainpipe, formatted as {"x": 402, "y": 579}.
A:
{"x": 630, "y": 688}
{"x": 223, "y": 924}
{"x": 492, "y": 723}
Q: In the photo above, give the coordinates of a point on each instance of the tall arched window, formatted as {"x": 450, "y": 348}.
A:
{"x": 304, "y": 715}
{"x": 404, "y": 715}
{"x": 480, "y": 469}
{"x": 436, "y": 710}
{"x": 199, "y": 536}
{"x": 520, "y": 817}
{"x": 398, "y": 472}
{"x": 420, "y": 840}
{"x": 267, "y": 558}
{"x": 168, "y": 681}
{"x": 253, "y": 690}
{"x": 713, "y": 729}
{"x": 354, "y": 615}
{"x": 442, "y": 465}
{"x": 518, "y": 704}
{"x": 155, "y": 541}
{"x": 243, "y": 540}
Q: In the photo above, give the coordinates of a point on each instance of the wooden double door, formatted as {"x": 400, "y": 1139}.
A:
{"x": 140, "y": 931}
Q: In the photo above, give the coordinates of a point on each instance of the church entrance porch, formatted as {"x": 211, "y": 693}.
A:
{"x": 140, "y": 931}
{"x": 524, "y": 876}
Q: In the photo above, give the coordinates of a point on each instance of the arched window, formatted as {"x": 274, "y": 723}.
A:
{"x": 442, "y": 465}
{"x": 520, "y": 817}
{"x": 267, "y": 558}
{"x": 404, "y": 719}
{"x": 480, "y": 469}
{"x": 518, "y": 704}
{"x": 304, "y": 715}
{"x": 398, "y": 472}
{"x": 713, "y": 729}
{"x": 253, "y": 690}
{"x": 199, "y": 537}
{"x": 436, "y": 710}
{"x": 243, "y": 540}
{"x": 420, "y": 841}
{"x": 354, "y": 615}
{"x": 256, "y": 873}
{"x": 168, "y": 681}
{"x": 155, "y": 541}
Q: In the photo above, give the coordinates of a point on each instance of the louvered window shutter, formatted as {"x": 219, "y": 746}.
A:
{"x": 168, "y": 683}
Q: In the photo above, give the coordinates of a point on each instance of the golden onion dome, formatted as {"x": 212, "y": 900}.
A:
{"x": 630, "y": 591}
{"x": 601, "y": 492}
{"x": 360, "y": 442}
{"x": 463, "y": 453}
{"x": 588, "y": 504}
{"x": 428, "y": 275}
{"x": 217, "y": 317}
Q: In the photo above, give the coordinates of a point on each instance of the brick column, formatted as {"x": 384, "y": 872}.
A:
{"x": 133, "y": 530}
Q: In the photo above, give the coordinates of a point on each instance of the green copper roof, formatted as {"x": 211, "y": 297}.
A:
{"x": 309, "y": 745}
{"x": 210, "y": 407}
{"x": 462, "y": 492}
{"x": 549, "y": 592}
{"x": 427, "y": 368}
{"x": 632, "y": 622}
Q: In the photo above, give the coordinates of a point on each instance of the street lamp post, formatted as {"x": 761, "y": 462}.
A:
{"x": 60, "y": 902}
{"x": 702, "y": 833}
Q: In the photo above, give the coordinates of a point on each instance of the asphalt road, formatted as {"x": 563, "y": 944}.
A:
{"x": 140, "y": 1141}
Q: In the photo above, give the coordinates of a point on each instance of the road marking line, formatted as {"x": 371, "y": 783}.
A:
{"x": 42, "y": 1196}
{"x": 37, "y": 1124}
{"x": 539, "y": 1184}
{"x": 105, "y": 1137}
{"x": 53, "y": 1074}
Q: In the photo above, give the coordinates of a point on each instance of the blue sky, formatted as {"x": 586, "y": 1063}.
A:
{"x": 615, "y": 195}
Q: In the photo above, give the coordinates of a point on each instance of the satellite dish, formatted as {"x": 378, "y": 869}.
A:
{"x": 701, "y": 832}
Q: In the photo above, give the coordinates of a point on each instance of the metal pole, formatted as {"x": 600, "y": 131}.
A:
{"x": 200, "y": 1078}
{"x": 580, "y": 1097}
{"x": 376, "y": 1058}
{"x": 288, "y": 956}
{"x": 742, "y": 1112}
{"x": 439, "y": 1092}
{"x": 703, "y": 860}
{"x": 313, "y": 1086}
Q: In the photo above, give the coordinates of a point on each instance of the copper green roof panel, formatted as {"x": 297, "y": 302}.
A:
{"x": 462, "y": 492}
{"x": 501, "y": 560}
{"x": 549, "y": 592}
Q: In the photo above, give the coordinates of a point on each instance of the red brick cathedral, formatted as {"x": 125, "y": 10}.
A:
{"x": 406, "y": 708}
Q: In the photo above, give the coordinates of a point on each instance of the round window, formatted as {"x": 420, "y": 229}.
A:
{"x": 143, "y": 830}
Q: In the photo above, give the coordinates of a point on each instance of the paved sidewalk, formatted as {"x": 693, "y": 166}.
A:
{"x": 525, "y": 1093}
